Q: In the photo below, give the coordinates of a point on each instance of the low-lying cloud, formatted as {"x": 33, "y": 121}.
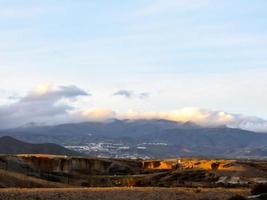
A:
{"x": 205, "y": 117}
{"x": 50, "y": 104}
{"x": 202, "y": 117}
{"x": 98, "y": 114}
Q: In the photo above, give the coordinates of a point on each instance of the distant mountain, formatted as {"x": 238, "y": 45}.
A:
{"x": 9, "y": 145}
{"x": 147, "y": 138}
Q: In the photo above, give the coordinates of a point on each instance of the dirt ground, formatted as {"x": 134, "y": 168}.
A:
{"x": 120, "y": 193}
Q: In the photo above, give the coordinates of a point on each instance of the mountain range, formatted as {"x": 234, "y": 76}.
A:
{"x": 147, "y": 138}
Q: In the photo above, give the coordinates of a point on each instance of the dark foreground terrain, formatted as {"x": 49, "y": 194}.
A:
{"x": 121, "y": 193}
{"x": 41, "y": 170}
{"x": 41, "y": 176}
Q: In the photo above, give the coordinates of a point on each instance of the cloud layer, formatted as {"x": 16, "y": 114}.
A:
{"x": 50, "y": 104}
{"x": 203, "y": 117}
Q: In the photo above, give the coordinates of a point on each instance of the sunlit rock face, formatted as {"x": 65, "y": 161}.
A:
{"x": 107, "y": 172}
{"x": 211, "y": 164}
{"x": 186, "y": 163}
{"x": 73, "y": 165}
{"x": 98, "y": 166}
{"x": 161, "y": 164}
{"x": 105, "y": 166}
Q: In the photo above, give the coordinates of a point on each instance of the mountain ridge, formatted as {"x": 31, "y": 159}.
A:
{"x": 10, "y": 145}
{"x": 142, "y": 138}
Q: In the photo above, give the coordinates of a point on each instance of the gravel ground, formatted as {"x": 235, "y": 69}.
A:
{"x": 120, "y": 193}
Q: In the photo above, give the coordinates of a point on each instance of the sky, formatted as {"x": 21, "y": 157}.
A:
{"x": 185, "y": 60}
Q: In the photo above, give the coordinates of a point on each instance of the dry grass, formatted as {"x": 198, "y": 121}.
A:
{"x": 121, "y": 193}
{"x": 13, "y": 179}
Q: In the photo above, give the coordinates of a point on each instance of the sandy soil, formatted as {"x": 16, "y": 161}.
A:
{"x": 120, "y": 193}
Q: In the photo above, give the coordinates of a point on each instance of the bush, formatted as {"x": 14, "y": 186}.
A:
{"x": 215, "y": 166}
{"x": 237, "y": 197}
{"x": 259, "y": 189}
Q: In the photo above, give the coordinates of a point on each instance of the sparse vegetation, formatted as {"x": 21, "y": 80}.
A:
{"x": 215, "y": 166}
{"x": 39, "y": 171}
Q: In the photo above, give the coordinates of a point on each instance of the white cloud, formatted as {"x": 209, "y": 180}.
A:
{"x": 97, "y": 114}
{"x": 199, "y": 116}
{"x": 48, "y": 92}
{"x": 203, "y": 117}
{"x": 43, "y": 104}
{"x": 50, "y": 104}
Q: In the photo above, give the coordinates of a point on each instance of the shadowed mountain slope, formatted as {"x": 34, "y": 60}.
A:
{"x": 9, "y": 145}
{"x": 152, "y": 138}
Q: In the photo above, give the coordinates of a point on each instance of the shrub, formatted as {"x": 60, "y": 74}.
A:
{"x": 259, "y": 189}
{"x": 215, "y": 166}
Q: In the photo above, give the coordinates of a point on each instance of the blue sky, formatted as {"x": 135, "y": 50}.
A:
{"x": 206, "y": 54}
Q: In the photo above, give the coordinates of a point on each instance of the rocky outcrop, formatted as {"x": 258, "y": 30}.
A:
{"x": 161, "y": 164}
{"x": 80, "y": 165}
{"x": 232, "y": 181}
{"x": 83, "y": 171}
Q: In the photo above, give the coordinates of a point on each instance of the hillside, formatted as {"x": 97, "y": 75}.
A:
{"x": 71, "y": 177}
{"x": 110, "y": 172}
{"x": 147, "y": 138}
{"x": 9, "y": 145}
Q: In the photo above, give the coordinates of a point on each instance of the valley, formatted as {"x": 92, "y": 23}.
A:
{"x": 46, "y": 176}
{"x": 108, "y": 172}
